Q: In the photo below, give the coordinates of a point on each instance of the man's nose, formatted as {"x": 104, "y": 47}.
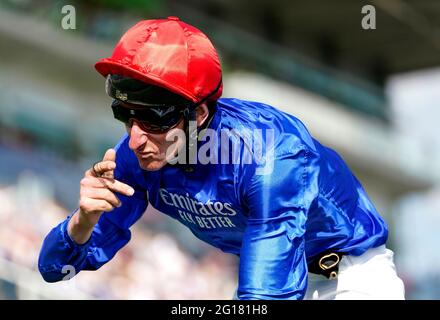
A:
{"x": 138, "y": 137}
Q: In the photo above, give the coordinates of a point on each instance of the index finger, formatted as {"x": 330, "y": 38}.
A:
{"x": 120, "y": 187}
{"x": 102, "y": 168}
{"x": 110, "y": 156}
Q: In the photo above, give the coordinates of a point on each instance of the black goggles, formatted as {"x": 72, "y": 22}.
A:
{"x": 152, "y": 118}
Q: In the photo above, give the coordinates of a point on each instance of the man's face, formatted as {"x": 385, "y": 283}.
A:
{"x": 152, "y": 150}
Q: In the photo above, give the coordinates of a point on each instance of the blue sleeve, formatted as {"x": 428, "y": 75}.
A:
{"x": 109, "y": 235}
{"x": 272, "y": 258}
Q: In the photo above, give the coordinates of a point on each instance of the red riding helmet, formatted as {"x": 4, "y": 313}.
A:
{"x": 170, "y": 54}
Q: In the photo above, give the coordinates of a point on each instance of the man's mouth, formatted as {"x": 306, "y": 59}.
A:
{"x": 145, "y": 155}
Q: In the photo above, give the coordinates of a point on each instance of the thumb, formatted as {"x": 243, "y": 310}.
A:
{"x": 110, "y": 155}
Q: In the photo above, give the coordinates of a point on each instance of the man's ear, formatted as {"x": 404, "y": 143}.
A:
{"x": 202, "y": 113}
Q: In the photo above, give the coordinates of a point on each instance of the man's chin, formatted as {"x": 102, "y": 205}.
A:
{"x": 151, "y": 165}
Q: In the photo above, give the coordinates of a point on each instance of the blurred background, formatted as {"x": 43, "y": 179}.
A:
{"x": 373, "y": 95}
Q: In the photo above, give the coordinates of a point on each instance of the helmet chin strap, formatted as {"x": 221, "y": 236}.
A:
{"x": 190, "y": 116}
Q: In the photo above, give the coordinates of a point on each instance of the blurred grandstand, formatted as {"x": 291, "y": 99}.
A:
{"x": 311, "y": 59}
